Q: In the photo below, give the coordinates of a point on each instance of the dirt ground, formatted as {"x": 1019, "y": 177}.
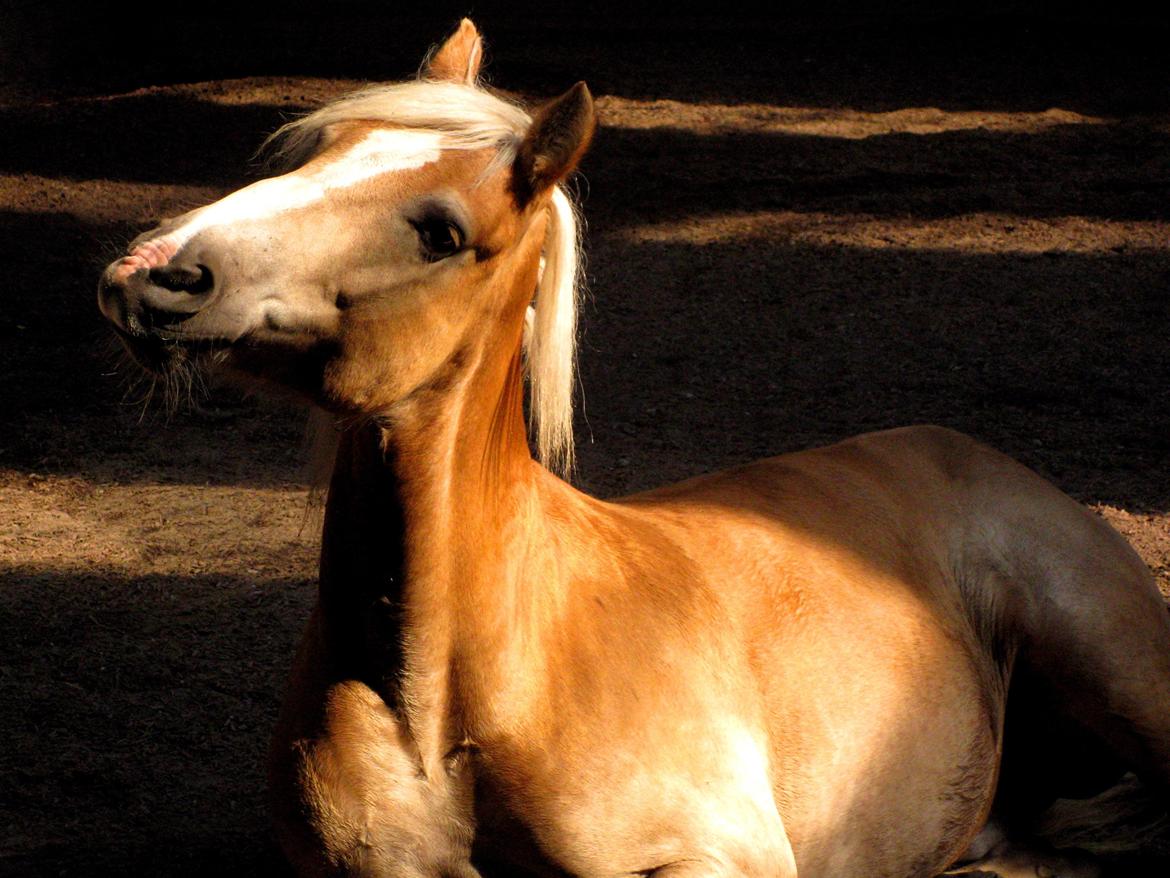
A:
{"x": 797, "y": 232}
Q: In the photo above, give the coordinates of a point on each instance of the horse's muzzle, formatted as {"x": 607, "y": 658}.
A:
{"x": 147, "y": 304}
{"x": 141, "y": 298}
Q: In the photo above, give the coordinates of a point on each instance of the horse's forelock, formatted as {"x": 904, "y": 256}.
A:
{"x": 465, "y": 116}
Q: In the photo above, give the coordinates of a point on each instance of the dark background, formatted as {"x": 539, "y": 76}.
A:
{"x": 1086, "y": 56}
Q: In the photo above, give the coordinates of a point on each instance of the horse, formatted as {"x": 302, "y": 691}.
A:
{"x": 867, "y": 659}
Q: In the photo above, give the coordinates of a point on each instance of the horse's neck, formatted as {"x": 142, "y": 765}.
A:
{"x": 419, "y": 577}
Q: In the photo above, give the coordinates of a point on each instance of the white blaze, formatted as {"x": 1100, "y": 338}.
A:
{"x": 381, "y": 151}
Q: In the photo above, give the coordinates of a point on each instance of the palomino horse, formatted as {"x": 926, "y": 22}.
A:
{"x": 797, "y": 667}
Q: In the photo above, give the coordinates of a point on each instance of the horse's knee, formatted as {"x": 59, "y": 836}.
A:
{"x": 773, "y": 860}
{"x": 350, "y": 799}
{"x": 720, "y": 868}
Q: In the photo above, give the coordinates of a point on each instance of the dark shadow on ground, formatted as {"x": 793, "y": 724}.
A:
{"x": 138, "y": 720}
{"x": 238, "y": 851}
{"x": 1109, "y": 171}
{"x": 149, "y": 138}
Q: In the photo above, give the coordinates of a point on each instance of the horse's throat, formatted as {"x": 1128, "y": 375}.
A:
{"x": 363, "y": 563}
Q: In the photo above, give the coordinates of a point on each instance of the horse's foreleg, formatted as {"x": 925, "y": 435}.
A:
{"x": 721, "y": 868}
{"x": 767, "y": 855}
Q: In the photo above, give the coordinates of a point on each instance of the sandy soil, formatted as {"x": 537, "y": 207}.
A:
{"x": 769, "y": 269}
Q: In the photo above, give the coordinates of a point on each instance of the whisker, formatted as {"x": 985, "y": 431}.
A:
{"x": 146, "y": 400}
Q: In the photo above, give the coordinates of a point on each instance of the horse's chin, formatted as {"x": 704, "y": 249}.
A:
{"x": 152, "y": 353}
{"x": 280, "y": 365}
{"x": 285, "y": 366}
{"x": 164, "y": 354}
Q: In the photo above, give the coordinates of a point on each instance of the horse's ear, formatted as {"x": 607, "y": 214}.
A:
{"x": 458, "y": 59}
{"x": 559, "y": 135}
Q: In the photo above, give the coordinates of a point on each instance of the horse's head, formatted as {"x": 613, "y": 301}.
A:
{"x": 405, "y": 242}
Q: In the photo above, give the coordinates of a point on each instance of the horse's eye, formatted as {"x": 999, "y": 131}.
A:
{"x": 439, "y": 238}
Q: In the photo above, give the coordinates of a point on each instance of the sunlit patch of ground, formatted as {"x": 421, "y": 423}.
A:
{"x": 67, "y": 523}
{"x": 833, "y": 122}
{"x": 967, "y": 233}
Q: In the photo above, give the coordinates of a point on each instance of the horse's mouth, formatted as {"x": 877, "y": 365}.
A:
{"x": 161, "y": 351}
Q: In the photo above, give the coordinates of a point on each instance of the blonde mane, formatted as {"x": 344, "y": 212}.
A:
{"x": 470, "y": 117}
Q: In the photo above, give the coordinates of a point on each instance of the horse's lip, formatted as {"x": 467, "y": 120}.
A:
{"x": 150, "y": 352}
{"x": 156, "y": 350}
{"x": 170, "y": 337}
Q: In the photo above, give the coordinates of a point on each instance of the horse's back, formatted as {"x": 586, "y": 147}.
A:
{"x": 927, "y": 508}
{"x": 882, "y": 517}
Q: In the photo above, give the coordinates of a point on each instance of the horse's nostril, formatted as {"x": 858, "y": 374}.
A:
{"x": 193, "y": 279}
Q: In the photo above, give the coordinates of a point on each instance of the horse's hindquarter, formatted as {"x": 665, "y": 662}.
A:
{"x": 833, "y": 578}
